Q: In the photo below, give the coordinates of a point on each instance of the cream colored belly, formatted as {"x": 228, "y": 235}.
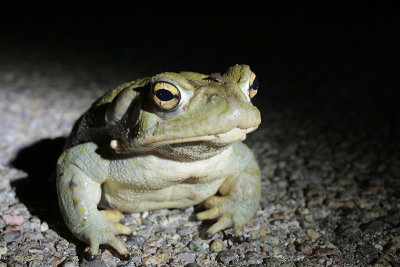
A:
{"x": 174, "y": 196}
{"x": 149, "y": 182}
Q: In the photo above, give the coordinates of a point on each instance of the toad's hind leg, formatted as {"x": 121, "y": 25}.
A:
{"x": 239, "y": 200}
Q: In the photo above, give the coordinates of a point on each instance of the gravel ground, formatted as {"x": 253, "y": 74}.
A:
{"x": 330, "y": 192}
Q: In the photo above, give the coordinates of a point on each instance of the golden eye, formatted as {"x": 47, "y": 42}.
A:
{"x": 253, "y": 85}
{"x": 166, "y": 95}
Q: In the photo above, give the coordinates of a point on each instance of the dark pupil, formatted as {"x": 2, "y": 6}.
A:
{"x": 164, "y": 95}
{"x": 255, "y": 84}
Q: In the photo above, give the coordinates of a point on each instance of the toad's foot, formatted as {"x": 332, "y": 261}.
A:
{"x": 239, "y": 200}
{"x": 228, "y": 212}
{"x": 104, "y": 231}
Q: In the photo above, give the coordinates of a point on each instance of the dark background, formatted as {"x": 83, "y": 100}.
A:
{"x": 336, "y": 62}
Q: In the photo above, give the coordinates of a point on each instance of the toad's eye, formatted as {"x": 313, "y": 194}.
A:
{"x": 166, "y": 95}
{"x": 253, "y": 85}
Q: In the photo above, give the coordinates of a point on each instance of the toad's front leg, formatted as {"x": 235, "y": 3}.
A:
{"x": 239, "y": 200}
{"x": 79, "y": 195}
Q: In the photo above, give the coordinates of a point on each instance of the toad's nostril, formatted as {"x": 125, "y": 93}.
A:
{"x": 212, "y": 98}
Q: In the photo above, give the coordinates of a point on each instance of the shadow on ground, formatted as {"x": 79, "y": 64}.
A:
{"x": 38, "y": 191}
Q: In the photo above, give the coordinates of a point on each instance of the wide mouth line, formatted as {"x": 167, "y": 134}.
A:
{"x": 204, "y": 138}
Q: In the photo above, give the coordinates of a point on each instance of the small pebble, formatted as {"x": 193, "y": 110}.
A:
{"x": 253, "y": 257}
{"x": 13, "y": 236}
{"x": 136, "y": 240}
{"x": 69, "y": 263}
{"x": 3, "y": 250}
{"x": 150, "y": 250}
{"x": 307, "y": 250}
{"x": 97, "y": 262}
{"x": 313, "y": 234}
{"x": 44, "y": 227}
{"x": 51, "y": 233}
{"x": 13, "y": 219}
{"x": 216, "y": 245}
{"x": 157, "y": 258}
{"x": 195, "y": 246}
{"x": 226, "y": 256}
{"x": 188, "y": 257}
{"x": 184, "y": 231}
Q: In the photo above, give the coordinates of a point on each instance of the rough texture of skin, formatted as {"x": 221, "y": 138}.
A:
{"x": 129, "y": 154}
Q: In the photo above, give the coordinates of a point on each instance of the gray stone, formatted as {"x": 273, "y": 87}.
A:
{"x": 196, "y": 247}
{"x": 12, "y": 236}
{"x": 97, "y": 262}
{"x": 136, "y": 240}
{"x": 253, "y": 257}
{"x": 188, "y": 257}
{"x": 226, "y": 256}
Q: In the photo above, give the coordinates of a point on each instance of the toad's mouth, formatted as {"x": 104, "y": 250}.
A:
{"x": 214, "y": 140}
{"x": 231, "y": 136}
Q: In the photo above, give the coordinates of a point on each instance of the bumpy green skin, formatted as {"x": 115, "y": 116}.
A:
{"x": 161, "y": 159}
